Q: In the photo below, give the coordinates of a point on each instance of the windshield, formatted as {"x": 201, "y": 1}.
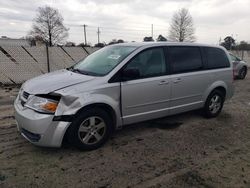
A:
{"x": 103, "y": 61}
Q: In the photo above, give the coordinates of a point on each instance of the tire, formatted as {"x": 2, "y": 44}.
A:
{"x": 90, "y": 129}
{"x": 214, "y": 104}
{"x": 242, "y": 73}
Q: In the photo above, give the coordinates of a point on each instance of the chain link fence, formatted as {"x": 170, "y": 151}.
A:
{"x": 242, "y": 54}
{"x": 19, "y": 63}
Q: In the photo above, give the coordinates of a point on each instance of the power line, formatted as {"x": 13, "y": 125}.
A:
{"x": 137, "y": 24}
{"x": 127, "y": 33}
{"x": 123, "y": 29}
{"x": 123, "y": 34}
{"x": 120, "y": 32}
{"x": 152, "y": 29}
{"x": 119, "y": 28}
{"x": 114, "y": 32}
{"x": 118, "y": 35}
{"x": 95, "y": 26}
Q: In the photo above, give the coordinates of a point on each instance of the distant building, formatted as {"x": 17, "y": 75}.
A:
{"x": 5, "y": 41}
{"x": 38, "y": 43}
{"x": 70, "y": 44}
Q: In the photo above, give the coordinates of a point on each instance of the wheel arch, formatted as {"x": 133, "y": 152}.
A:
{"x": 102, "y": 106}
{"x": 221, "y": 89}
{"x": 220, "y": 85}
{"x": 245, "y": 66}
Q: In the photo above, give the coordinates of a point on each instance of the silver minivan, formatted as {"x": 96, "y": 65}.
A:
{"x": 119, "y": 85}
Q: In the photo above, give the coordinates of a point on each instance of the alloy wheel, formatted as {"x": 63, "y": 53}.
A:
{"x": 215, "y": 104}
{"x": 92, "y": 130}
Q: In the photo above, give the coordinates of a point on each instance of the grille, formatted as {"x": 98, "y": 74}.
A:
{"x": 25, "y": 95}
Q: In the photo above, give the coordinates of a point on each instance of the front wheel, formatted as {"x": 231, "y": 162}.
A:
{"x": 91, "y": 129}
{"x": 214, "y": 104}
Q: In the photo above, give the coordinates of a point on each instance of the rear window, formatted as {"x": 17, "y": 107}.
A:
{"x": 216, "y": 58}
{"x": 185, "y": 59}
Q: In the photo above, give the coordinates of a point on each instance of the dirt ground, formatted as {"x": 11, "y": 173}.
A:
{"x": 180, "y": 151}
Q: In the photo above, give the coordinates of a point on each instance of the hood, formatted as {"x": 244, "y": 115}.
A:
{"x": 240, "y": 63}
{"x": 245, "y": 63}
{"x": 54, "y": 81}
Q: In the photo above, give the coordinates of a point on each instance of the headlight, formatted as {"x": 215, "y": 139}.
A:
{"x": 41, "y": 104}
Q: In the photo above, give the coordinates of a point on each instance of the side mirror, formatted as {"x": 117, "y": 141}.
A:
{"x": 130, "y": 74}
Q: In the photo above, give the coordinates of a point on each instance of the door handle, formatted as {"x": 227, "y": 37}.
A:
{"x": 177, "y": 80}
{"x": 163, "y": 82}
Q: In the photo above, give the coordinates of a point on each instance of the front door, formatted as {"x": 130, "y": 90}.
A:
{"x": 148, "y": 96}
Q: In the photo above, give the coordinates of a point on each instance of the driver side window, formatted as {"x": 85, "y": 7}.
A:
{"x": 149, "y": 63}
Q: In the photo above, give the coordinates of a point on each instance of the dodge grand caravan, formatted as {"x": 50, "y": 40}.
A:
{"x": 119, "y": 85}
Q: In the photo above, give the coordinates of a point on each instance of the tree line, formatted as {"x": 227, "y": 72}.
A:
{"x": 230, "y": 44}
{"x": 48, "y": 27}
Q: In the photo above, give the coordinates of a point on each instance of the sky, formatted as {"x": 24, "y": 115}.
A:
{"x": 131, "y": 20}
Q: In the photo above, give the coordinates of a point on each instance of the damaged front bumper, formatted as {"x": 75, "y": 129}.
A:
{"x": 40, "y": 129}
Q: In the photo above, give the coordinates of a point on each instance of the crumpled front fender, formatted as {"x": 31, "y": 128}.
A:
{"x": 71, "y": 104}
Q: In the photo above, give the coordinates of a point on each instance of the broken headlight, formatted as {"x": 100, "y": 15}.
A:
{"x": 43, "y": 104}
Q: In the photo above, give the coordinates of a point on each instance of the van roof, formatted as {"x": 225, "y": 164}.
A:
{"x": 148, "y": 44}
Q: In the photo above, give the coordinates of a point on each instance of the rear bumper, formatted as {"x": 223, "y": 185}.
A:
{"x": 39, "y": 129}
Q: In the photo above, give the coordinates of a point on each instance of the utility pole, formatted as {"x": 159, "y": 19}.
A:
{"x": 84, "y": 30}
{"x": 152, "y": 31}
{"x": 98, "y": 35}
{"x": 47, "y": 53}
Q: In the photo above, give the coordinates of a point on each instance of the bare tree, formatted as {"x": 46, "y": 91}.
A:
{"x": 182, "y": 28}
{"x": 48, "y": 25}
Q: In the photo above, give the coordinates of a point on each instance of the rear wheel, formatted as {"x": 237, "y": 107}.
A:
{"x": 242, "y": 73}
{"x": 214, "y": 104}
{"x": 91, "y": 129}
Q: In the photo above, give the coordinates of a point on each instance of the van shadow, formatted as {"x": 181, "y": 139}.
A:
{"x": 169, "y": 123}
{"x": 165, "y": 123}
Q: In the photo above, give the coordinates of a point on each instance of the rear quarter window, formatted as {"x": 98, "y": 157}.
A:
{"x": 216, "y": 58}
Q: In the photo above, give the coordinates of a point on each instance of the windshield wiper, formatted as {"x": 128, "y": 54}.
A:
{"x": 78, "y": 70}
{"x": 69, "y": 68}
{"x": 83, "y": 71}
